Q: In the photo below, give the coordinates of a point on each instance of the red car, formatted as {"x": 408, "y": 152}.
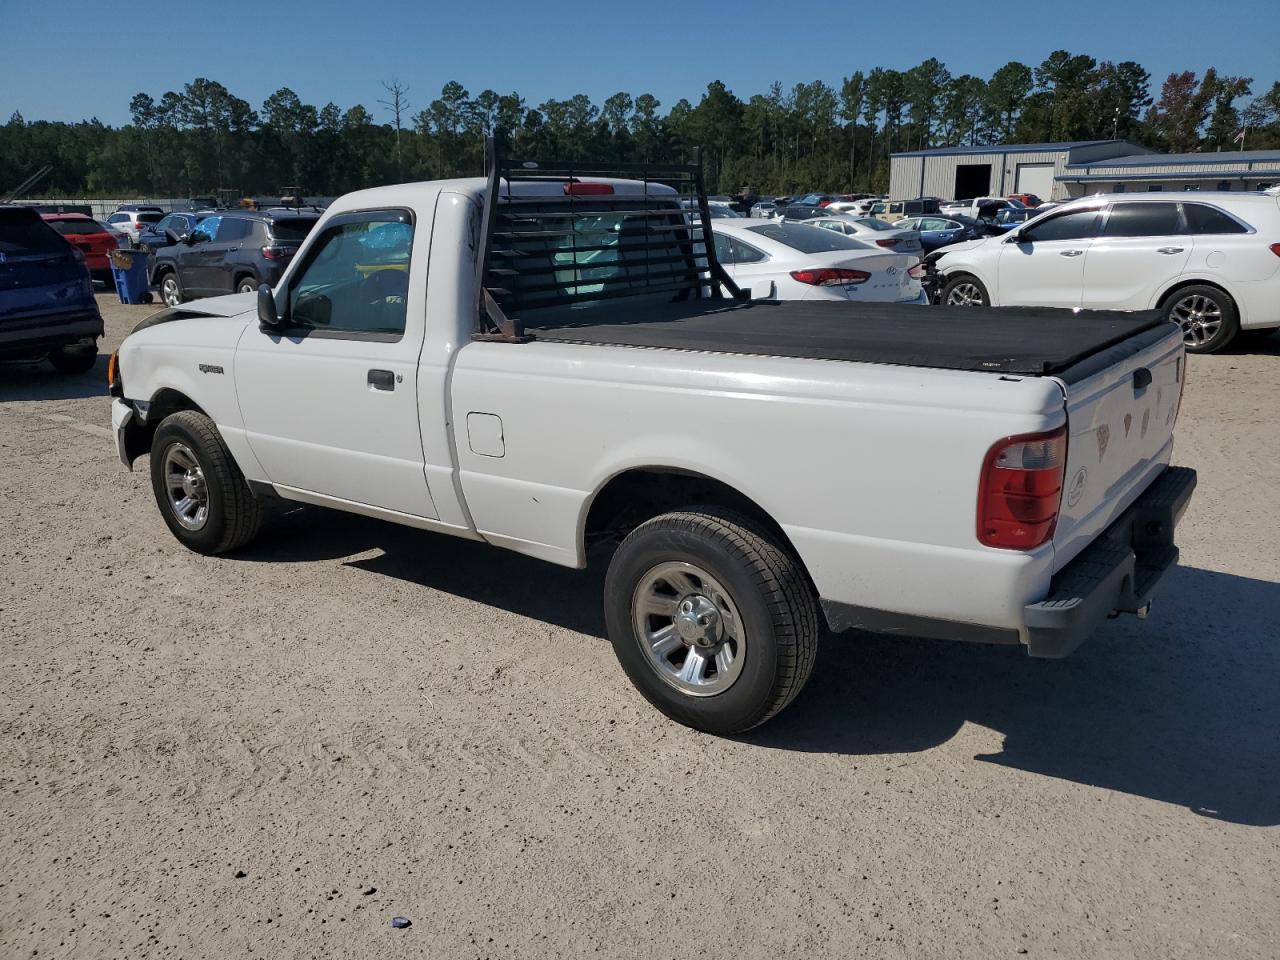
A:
{"x": 1026, "y": 199}
{"x": 89, "y": 237}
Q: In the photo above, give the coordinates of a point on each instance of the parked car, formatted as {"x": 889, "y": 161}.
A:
{"x": 858, "y": 208}
{"x": 47, "y": 307}
{"x": 1210, "y": 261}
{"x": 1010, "y": 217}
{"x": 938, "y": 232}
{"x": 232, "y": 252}
{"x": 153, "y": 236}
{"x": 817, "y": 199}
{"x": 784, "y": 260}
{"x": 979, "y": 208}
{"x": 1026, "y": 199}
{"x": 873, "y": 231}
{"x": 88, "y": 236}
{"x": 892, "y": 210}
{"x": 800, "y": 211}
{"x": 121, "y": 238}
{"x": 764, "y": 209}
{"x": 767, "y": 464}
{"x": 131, "y": 221}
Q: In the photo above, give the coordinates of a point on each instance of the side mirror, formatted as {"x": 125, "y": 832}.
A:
{"x": 268, "y": 316}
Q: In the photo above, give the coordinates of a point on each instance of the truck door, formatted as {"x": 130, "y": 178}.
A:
{"x": 330, "y": 402}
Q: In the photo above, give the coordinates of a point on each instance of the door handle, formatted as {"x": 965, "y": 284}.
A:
{"x": 1071, "y": 253}
{"x": 1170, "y": 250}
{"x": 382, "y": 379}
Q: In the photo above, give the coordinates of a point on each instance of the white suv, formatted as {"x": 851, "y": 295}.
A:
{"x": 1211, "y": 260}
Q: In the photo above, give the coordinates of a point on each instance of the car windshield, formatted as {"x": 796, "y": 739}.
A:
{"x": 292, "y": 228}
{"x": 807, "y": 239}
{"x": 149, "y": 217}
{"x": 70, "y": 227}
{"x": 22, "y": 232}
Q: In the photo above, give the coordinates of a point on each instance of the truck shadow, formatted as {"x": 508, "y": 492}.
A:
{"x": 1182, "y": 708}
{"x": 39, "y": 381}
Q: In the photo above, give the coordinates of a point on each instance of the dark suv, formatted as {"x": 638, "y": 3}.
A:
{"x": 232, "y": 252}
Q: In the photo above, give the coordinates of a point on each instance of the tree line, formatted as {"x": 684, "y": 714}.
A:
{"x": 812, "y": 136}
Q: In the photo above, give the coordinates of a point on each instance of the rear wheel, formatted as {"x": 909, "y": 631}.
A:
{"x": 965, "y": 291}
{"x": 171, "y": 290}
{"x": 246, "y": 285}
{"x": 74, "y": 360}
{"x": 712, "y": 619}
{"x": 198, "y": 487}
{"x": 1207, "y": 316}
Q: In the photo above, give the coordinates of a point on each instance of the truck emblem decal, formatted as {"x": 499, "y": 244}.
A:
{"x": 1104, "y": 437}
{"x": 1128, "y": 422}
{"x": 210, "y": 368}
{"x": 1146, "y": 422}
{"x": 1076, "y": 490}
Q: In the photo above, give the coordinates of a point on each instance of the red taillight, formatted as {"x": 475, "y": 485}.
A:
{"x": 1275, "y": 248}
{"x": 916, "y": 272}
{"x": 576, "y": 189}
{"x": 1020, "y": 491}
{"x": 887, "y": 243}
{"x": 830, "y": 277}
{"x": 278, "y": 252}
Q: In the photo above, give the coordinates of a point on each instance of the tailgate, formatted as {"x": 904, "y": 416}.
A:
{"x": 1121, "y": 407}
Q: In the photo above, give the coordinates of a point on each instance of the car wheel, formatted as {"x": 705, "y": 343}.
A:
{"x": 712, "y": 619}
{"x": 74, "y": 360}
{"x": 171, "y": 290}
{"x": 198, "y": 487}
{"x": 965, "y": 291}
{"x": 247, "y": 285}
{"x": 1207, "y": 316}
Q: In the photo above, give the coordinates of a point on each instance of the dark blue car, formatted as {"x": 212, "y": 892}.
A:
{"x": 941, "y": 231}
{"x": 153, "y": 236}
{"x": 47, "y": 309}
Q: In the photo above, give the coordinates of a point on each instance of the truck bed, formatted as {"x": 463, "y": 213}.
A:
{"x": 1028, "y": 341}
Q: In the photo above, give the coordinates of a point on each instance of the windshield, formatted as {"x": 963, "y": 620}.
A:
{"x": 23, "y": 232}
{"x": 69, "y": 227}
{"x": 149, "y": 217}
{"x": 807, "y": 239}
{"x": 294, "y": 228}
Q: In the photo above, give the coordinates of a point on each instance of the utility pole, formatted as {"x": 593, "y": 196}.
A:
{"x": 398, "y": 104}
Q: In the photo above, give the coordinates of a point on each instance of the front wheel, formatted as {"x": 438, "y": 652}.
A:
{"x": 201, "y": 493}
{"x": 965, "y": 291}
{"x": 712, "y": 619}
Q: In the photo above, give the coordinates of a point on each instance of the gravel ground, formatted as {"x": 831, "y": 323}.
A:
{"x": 274, "y": 753}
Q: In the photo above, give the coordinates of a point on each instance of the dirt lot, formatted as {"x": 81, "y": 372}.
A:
{"x": 273, "y": 754}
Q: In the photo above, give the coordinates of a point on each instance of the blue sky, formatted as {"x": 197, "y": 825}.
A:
{"x": 73, "y": 59}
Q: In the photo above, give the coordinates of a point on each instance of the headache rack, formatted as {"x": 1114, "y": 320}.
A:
{"x": 585, "y": 243}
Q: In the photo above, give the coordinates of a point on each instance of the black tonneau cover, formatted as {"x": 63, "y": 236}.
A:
{"x": 1032, "y": 341}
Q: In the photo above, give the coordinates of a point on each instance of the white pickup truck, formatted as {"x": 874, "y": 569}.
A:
{"x": 547, "y": 358}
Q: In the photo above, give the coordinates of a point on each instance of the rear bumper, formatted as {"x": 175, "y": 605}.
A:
{"x": 1117, "y": 573}
{"x": 28, "y": 335}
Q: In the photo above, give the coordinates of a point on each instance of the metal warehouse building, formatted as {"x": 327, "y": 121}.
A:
{"x": 1238, "y": 170}
{"x": 1057, "y": 171}
{"x": 958, "y": 173}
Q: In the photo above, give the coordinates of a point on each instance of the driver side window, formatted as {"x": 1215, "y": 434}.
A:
{"x": 1076, "y": 225}
{"x": 355, "y": 282}
{"x": 207, "y": 228}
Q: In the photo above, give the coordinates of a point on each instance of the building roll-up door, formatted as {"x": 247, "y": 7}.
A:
{"x": 1035, "y": 178}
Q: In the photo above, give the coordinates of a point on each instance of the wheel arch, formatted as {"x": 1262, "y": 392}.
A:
{"x": 636, "y": 494}
{"x": 1162, "y": 300}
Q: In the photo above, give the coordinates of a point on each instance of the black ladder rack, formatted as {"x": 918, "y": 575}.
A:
{"x": 536, "y": 249}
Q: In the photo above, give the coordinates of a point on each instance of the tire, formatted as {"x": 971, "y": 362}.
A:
{"x": 73, "y": 360}
{"x": 171, "y": 289}
{"x": 1207, "y": 315}
{"x": 965, "y": 290}
{"x": 751, "y": 593}
{"x": 231, "y": 516}
{"x": 246, "y": 285}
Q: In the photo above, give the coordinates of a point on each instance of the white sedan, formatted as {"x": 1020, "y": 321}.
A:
{"x": 785, "y": 260}
{"x": 890, "y": 236}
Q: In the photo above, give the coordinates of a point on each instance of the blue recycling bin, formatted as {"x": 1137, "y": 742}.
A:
{"x": 129, "y": 271}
